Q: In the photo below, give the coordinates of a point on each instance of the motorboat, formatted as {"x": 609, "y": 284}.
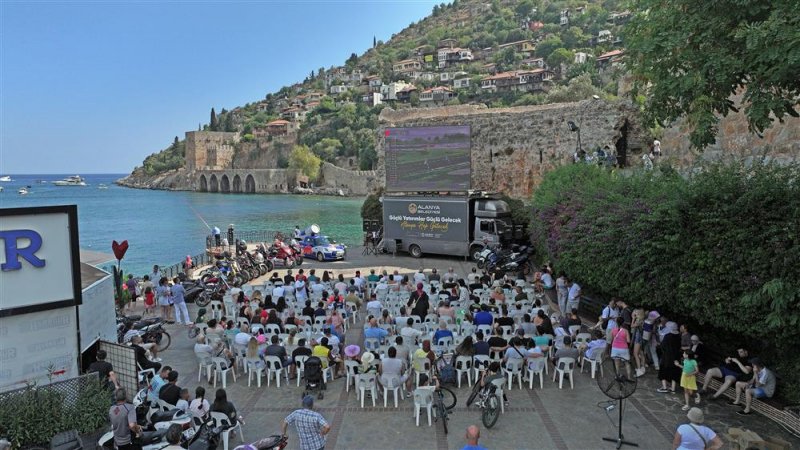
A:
{"x": 75, "y": 180}
{"x": 5, "y": 178}
{"x": 23, "y": 191}
{"x": 102, "y": 186}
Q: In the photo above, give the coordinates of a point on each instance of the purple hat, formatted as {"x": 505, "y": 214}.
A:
{"x": 352, "y": 351}
{"x": 653, "y": 315}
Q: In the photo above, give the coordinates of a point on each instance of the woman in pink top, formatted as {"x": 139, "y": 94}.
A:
{"x": 620, "y": 341}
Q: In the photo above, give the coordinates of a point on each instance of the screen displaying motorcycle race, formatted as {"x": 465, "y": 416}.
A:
{"x": 427, "y": 159}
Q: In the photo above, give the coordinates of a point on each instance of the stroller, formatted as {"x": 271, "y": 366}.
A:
{"x": 312, "y": 370}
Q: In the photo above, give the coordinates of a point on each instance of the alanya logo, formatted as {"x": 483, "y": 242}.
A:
{"x": 412, "y": 208}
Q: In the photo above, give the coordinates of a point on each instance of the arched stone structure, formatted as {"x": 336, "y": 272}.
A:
{"x": 225, "y": 184}
{"x": 203, "y": 183}
{"x": 250, "y": 184}
{"x": 213, "y": 185}
{"x": 237, "y": 184}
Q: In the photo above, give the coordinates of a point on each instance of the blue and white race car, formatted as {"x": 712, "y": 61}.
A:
{"x": 320, "y": 248}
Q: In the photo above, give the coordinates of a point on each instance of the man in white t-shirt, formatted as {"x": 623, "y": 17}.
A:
{"x": 277, "y": 292}
{"x": 317, "y": 288}
{"x": 573, "y": 296}
{"x": 409, "y": 333}
{"x": 420, "y": 276}
{"x": 473, "y": 276}
{"x": 374, "y": 307}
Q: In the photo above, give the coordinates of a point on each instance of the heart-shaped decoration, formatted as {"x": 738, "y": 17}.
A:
{"x": 119, "y": 249}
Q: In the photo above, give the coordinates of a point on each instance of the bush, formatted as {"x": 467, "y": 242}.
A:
{"x": 719, "y": 250}
{"x": 37, "y": 413}
{"x": 372, "y": 208}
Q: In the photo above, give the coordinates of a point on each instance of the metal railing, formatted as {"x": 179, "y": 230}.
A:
{"x": 68, "y": 391}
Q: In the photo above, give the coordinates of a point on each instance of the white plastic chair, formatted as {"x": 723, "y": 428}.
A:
{"x": 275, "y": 366}
{"x": 463, "y": 365}
{"x": 231, "y": 311}
{"x": 255, "y": 327}
{"x": 203, "y": 362}
{"x": 221, "y": 369}
{"x": 574, "y": 329}
{"x": 423, "y": 398}
{"x": 499, "y": 383}
{"x": 596, "y": 361}
{"x": 241, "y": 321}
{"x": 272, "y": 328}
{"x": 372, "y": 344}
{"x": 221, "y": 420}
{"x": 217, "y": 309}
{"x": 446, "y": 342}
{"x": 350, "y": 369}
{"x": 367, "y": 382}
{"x": 486, "y": 329}
{"x": 536, "y": 367}
{"x": 421, "y": 365}
{"x": 479, "y": 364}
{"x": 565, "y": 366}
{"x": 395, "y": 385}
{"x": 514, "y": 368}
{"x": 300, "y": 364}
{"x": 254, "y": 367}
{"x": 581, "y": 339}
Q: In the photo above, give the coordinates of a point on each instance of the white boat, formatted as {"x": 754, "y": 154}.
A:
{"x": 5, "y": 178}
{"x": 75, "y": 180}
{"x": 1, "y": 188}
{"x": 102, "y": 186}
{"x": 23, "y": 191}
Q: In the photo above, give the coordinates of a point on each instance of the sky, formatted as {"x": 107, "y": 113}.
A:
{"x": 96, "y": 86}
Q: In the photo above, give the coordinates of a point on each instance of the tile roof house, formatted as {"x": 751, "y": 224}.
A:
{"x": 611, "y": 58}
{"x": 518, "y": 80}
{"x": 436, "y": 96}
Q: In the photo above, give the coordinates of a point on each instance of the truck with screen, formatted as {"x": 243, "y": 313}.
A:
{"x": 445, "y": 225}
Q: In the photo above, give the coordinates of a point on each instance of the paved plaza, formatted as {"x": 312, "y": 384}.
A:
{"x": 549, "y": 418}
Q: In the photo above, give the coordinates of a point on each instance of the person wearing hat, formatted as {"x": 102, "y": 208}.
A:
{"x": 695, "y": 435}
{"x": 366, "y": 363}
{"x": 669, "y": 373}
{"x": 699, "y": 349}
{"x": 310, "y": 425}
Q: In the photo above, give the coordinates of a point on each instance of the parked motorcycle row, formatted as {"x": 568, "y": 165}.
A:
{"x": 151, "y": 330}
{"x": 501, "y": 261}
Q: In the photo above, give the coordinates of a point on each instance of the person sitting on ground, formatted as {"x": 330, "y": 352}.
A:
{"x": 170, "y": 392}
{"x": 222, "y": 405}
{"x": 762, "y": 385}
{"x": 140, "y": 350}
{"x": 442, "y": 332}
{"x": 735, "y": 368}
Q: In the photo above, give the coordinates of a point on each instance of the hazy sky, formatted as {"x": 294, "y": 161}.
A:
{"x": 94, "y": 87}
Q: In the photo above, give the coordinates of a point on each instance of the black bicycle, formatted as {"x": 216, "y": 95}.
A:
{"x": 444, "y": 400}
{"x": 487, "y": 401}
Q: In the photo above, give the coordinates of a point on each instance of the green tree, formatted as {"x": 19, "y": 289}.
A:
{"x": 352, "y": 60}
{"x": 574, "y": 37}
{"x": 559, "y": 56}
{"x": 214, "y": 123}
{"x": 692, "y": 58}
{"x": 372, "y": 208}
{"x": 229, "y": 126}
{"x": 304, "y": 160}
{"x": 524, "y": 8}
{"x": 327, "y": 149}
{"x": 544, "y": 48}
{"x": 578, "y": 88}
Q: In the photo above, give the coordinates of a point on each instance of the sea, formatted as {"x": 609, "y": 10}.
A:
{"x": 162, "y": 227}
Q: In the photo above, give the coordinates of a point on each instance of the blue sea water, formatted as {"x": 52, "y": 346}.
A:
{"x": 162, "y": 227}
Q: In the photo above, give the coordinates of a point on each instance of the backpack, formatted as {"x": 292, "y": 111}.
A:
{"x": 447, "y": 373}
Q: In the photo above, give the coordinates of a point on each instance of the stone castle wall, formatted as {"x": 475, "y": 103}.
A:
{"x": 209, "y": 149}
{"x": 350, "y": 182}
{"x": 512, "y": 148}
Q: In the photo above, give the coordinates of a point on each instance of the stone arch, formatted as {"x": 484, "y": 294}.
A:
{"x": 250, "y": 184}
{"x": 225, "y": 184}
{"x": 203, "y": 183}
{"x": 213, "y": 185}
{"x": 237, "y": 183}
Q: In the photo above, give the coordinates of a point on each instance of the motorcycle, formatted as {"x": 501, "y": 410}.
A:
{"x": 150, "y": 329}
{"x": 274, "y": 442}
{"x": 214, "y": 290}
{"x": 282, "y": 254}
{"x": 485, "y": 254}
{"x": 515, "y": 262}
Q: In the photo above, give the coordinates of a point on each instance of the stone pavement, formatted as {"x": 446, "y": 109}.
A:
{"x": 547, "y": 418}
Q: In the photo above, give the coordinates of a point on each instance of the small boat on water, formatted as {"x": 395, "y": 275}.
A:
{"x": 1, "y": 188}
{"x": 6, "y": 178}
{"x": 23, "y": 191}
{"x": 102, "y": 186}
{"x": 75, "y": 180}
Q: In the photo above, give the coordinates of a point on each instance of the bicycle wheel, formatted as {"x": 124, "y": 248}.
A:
{"x": 490, "y": 412}
{"x": 476, "y": 389}
{"x": 448, "y": 397}
{"x": 442, "y": 410}
{"x": 163, "y": 341}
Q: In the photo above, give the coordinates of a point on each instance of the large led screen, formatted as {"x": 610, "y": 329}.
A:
{"x": 422, "y": 159}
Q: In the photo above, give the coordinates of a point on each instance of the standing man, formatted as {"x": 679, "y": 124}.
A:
{"x": 311, "y": 426}
{"x": 217, "y": 236}
{"x": 472, "y": 437}
{"x": 123, "y": 421}
{"x": 156, "y": 275}
{"x": 574, "y": 296}
{"x": 179, "y": 303}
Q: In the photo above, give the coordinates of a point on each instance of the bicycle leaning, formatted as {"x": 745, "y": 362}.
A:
{"x": 485, "y": 391}
{"x": 444, "y": 400}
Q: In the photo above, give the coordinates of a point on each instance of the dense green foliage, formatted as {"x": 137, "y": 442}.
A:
{"x": 372, "y": 208}
{"x": 36, "y": 414}
{"x": 721, "y": 250}
{"x": 304, "y": 160}
{"x": 168, "y": 159}
{"x": 692, "y": 56}
{"x": 348, "y": 130}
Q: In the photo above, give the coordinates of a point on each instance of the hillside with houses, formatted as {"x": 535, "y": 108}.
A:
{"x": 499, "y": 53}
